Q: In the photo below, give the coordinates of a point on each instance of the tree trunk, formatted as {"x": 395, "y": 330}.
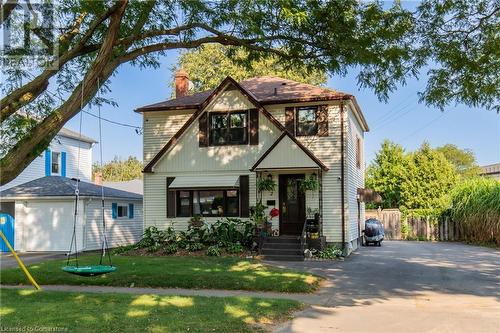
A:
{"x": 27, "y": 149}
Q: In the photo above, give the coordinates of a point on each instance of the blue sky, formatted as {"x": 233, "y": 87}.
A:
{"x": 402, "y": 119}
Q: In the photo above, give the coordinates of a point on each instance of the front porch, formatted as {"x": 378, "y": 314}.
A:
{"x": 289, "y": 185}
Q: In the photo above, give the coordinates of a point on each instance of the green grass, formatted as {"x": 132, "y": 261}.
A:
{"x": 174, "y": 272}
{"x": 87, "y": 312}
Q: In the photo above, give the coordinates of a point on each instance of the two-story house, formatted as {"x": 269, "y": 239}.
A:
{"x": 204, "y": 153}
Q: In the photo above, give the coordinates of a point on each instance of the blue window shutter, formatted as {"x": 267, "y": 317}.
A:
{"x": 63, "y": 164}
{"x": 114, "y": 210}
{"x": 130, "y": 211}
{"x": 47, "y": 162}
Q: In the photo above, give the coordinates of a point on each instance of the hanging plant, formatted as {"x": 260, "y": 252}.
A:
{"x": 309, "y": 183}
{"x": 266, "y": 184}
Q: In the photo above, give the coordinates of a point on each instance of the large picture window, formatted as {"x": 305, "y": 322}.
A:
{"x": 306, "y": 121}
{"x": 208, "y": 203}
{"x": 229, "y": 128}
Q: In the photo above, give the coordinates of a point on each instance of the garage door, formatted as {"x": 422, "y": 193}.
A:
{"x": 49, "y": 226}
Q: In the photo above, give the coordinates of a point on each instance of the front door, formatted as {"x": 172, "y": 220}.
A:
{"x": 292, "y": 205}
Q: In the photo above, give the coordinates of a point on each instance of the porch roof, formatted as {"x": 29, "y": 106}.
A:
{"x": 286, "y": 153}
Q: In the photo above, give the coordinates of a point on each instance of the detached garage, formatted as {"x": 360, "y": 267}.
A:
{"x": 41, "y": 215}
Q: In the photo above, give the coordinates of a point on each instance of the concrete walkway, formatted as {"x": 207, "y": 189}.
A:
{"x": 303, "y": 298}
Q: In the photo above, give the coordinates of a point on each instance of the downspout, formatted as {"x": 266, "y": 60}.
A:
{"x": 342, "y": 171}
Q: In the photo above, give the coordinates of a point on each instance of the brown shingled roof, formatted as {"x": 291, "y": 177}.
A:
{"x": 262, "y": 88}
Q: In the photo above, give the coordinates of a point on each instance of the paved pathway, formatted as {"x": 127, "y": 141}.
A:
{"x": 406, "y": 287}
{"x": 7, "y": 260}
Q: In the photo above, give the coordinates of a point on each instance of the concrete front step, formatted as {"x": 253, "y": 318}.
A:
{"x": 271, "y": 251}
{"x": 285, "y": 246}
{"x": 283, "y": 257}
{"x": 277, "y": 240}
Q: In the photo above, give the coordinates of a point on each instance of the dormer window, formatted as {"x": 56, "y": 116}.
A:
{"x": 228, "y": 128}
{"x": 56, "y": 163}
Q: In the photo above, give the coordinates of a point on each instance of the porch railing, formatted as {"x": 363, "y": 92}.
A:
{"x": 303, "y": 237}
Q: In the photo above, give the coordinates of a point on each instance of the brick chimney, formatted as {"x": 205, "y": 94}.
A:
{"x": 181, "y": 83}
{"x": 98, "y": 178}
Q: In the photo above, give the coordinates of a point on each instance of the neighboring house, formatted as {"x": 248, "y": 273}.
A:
{"x": 60, "y": 159}
{"x": 492, "y": 170}
{"x": 134, "y": 185}
{"x": 204, "y": 152}
{"x": 39, "y": 215}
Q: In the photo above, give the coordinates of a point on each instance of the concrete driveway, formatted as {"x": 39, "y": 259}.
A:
{"x": 7, "y": 260}
{"x": 405, "y": 287}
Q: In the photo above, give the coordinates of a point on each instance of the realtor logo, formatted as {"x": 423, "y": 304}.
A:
{"x": 28, "y": 38}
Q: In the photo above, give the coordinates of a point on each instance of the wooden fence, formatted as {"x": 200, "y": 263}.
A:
{"x": 422, "y": 228}
{"x": 390, "y": 218}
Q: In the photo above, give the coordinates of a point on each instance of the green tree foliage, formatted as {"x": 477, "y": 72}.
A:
{"x": 452, "y": 43}
{"x": 387, "y": 172}
{"x": 463, "y": 160}
{"x": 210, "y": 64}
{"x": 429, "y": 176}
{"x": 414, "y": 180}
{"x": 120, "y": 170}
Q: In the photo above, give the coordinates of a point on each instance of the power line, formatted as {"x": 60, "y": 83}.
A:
{"x": 138, "y": 129}
{"x": 423, "y": 127}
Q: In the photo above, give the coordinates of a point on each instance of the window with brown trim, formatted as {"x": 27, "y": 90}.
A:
{"x": 306, "y": 121}
{"x": 228, "y": 128}
{"x": 220, "y": 202}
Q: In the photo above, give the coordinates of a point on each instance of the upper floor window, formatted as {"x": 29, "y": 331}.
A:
{"x": 306, "y": 121}
{"x": 229, "y": 128}
{"x": 56, "y": 163}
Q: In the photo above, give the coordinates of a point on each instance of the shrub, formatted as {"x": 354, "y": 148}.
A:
{"x": 232, "y": 230}
{"x": 153, "y": 238}
{"x": 234, "y": 248}
{"x": 123, "y": 249}
{"x": 331, "y": 252}
{"x": 171, "y": 248}
{"x": 213, "y": 251}
{"x": 196, "y": 246}
{"x": 475, "y": 208}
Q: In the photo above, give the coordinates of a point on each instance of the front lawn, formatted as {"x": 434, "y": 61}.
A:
{"x": 174, "y": 272}
{"x": 86, "y": 312}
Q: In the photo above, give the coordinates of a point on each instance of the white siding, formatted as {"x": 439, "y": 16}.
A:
{"x": 46, "y": 225}
{"x": 355, "y": 175}
{"x": 155, "y": 203}
{"x": 187, "y": 156}
{"x": 119, "y": 231}
{"x": 36, "y": 169}
{"x": 230, "y": 100}
{"x": 327, "y": 149}
{"x": 287, "y": 154}
{"x": 159, "y": 127}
